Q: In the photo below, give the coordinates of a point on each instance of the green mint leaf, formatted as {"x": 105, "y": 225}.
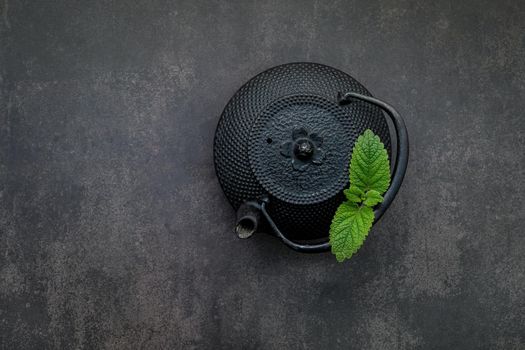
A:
{"x": 354, "y": 194}
{"x": 369, "y": 179}
{"x": 349, "y": 229}
{"x": 369, "y": 166}
{"x": 372, "y": 198}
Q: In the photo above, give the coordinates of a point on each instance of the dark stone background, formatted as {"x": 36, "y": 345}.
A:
{"x": 114, "y": 232}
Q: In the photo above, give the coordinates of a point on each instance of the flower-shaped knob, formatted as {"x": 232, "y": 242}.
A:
{"x": 303, "y": 149}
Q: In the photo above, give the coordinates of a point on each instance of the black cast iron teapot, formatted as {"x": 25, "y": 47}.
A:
{"x": 282, "y": 149}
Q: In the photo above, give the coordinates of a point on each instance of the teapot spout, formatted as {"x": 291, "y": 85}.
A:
{"x": 248, "y": 218}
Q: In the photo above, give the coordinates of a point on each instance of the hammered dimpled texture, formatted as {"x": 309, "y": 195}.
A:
{"x": 309, "y": 217}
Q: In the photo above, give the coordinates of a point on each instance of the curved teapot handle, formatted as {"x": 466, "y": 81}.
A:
{"x": 304, "y": 248}
{"x": 400, "y": 167}
{"x": 397, "y": 178}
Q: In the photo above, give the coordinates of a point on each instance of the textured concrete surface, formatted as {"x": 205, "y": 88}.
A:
{"x": 114, "y": 232}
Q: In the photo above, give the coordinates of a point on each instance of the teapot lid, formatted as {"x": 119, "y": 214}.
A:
{"x": 300, "y": 147}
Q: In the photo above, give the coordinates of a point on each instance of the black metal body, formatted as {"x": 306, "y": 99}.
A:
{"x": 283, "y": 144}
